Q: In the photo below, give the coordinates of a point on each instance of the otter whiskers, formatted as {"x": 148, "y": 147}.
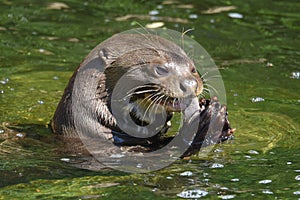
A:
{"x": 211, "y": 87}
{"x": 135, "y": 91}
{"x": 151, "y": 106}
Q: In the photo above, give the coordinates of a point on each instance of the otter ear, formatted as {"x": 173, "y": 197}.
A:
{"x": 106, "y": 56}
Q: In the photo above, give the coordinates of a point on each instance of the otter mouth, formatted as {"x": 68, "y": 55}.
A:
{"x": 171, "y": 104}
{"x": 152, "y": 96}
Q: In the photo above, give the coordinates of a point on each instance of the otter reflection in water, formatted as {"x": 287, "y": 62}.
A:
{"x": 126, "y": 91}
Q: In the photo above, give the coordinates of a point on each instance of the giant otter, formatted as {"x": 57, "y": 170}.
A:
{"x": 155, "y": 78}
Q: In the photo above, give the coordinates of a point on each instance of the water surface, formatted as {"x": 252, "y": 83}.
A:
{"x": 256, "y": 46}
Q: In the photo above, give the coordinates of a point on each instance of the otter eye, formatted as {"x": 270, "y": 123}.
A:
{"x": 161, "y": 70}
{"x": 193, "y": 70}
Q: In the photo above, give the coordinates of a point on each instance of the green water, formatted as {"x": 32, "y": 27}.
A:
{"x": 257, "y": 56}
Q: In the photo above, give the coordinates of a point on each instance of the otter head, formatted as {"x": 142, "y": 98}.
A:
{"x": 177, "y": 78}
{"x": 163, "y": 79}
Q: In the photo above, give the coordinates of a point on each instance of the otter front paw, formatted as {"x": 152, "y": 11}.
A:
{"x": 214, "y": 126}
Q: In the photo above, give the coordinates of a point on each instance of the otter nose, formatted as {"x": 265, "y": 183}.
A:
{"x": 188, "y": 85}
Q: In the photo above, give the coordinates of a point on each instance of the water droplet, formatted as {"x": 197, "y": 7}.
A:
{"x": 235, "y": 15}
{"x": 253, "y": 152}
{"x": 297, "y": 178}
{"x": 218, "y": 150}
{"x": 193, "y": 16}
{"x": 169, "y": 177}
{"x": 216, "y": 165}
{"x": 1, "y": 131}
{"x": 20, "y": 135}
{"x": 295, "y": 75}
{"x": 117, "y": 155}
{"x": 65, "y": 159}
{"x": 229, "y": 196}
{"x": 265, "y": 181}
{"x": 153, "y": 12}
{"x": 224, "y": 188}
{"x": 139, "y": 165}
{"x": 257, "y": 99}
{"x": 160, "y": 6}
{"x": 205, "y": 174}
{"x": 296, "y": 193}
{"x": 192, "y": 194}
{"x": 23, "y": 19}
{"x": 186, "y": 173}
{"x": 41, "y": 102}
{"x": 1, "y": 91}
{"x": 266, "y": 191}
{"x": 191, "y": 181}
{"x": 235, "y": 180}
{"x": 289, "y": 163}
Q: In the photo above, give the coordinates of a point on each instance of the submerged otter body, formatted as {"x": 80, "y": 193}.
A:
{"x": 154, "y": 75}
